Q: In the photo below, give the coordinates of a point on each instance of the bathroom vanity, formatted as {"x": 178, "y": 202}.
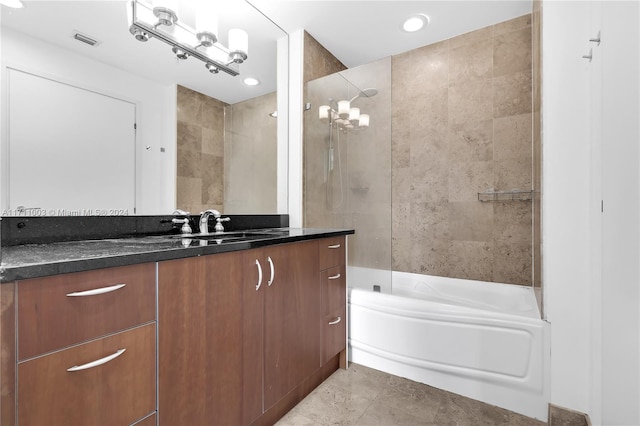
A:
{"x": 210, "y": 332}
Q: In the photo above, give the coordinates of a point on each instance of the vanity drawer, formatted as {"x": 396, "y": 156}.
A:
{"x": 333, "y": 289}
{"x": 332, "y": 252}
{"x": 117, "y": 392}
{"x": 147, "y": 421}
{"x": 334, "y": 334}
{"x": 63, "y": 310}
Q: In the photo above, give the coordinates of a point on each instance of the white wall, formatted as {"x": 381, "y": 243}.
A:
{"x": 620, "y": 220}
{"x": 566, "y": 196}
{"x": 590, "y": 149}
{"x": 296, "y": 184}
{"x": 155, "y": 110}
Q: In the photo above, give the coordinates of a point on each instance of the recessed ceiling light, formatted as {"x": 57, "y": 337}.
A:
{"x": 415, "y": 23}
{"x": 250, "y": 81}
{"x": 15, "y": 4}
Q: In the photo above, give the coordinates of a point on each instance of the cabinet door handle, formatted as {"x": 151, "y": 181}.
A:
{"x": 273, "y": 271}
{"x": 97, "y": 362}
{"x": 335, "y": 277}
{"x": 335, "y": 246}
{"x": 259, "y": 275}
{"x": 95, "y": 291}
{"x": 335, "y": 321}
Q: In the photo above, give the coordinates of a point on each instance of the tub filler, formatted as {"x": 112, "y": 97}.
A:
{"x": 482, "y": 340}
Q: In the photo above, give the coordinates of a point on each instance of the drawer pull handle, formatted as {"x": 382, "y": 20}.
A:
{"x": 96, "y": 291}
{"x": 335, "y": 321}
{"x": 335, "y": 277}
{"x": 97, "y": 362}
{"x": 273, "y": 271}
{"x": 335, "y": 246}
{"x": 259, "y": 275}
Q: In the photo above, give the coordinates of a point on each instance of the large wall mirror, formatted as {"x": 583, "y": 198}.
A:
{"x": 121, "y": 126}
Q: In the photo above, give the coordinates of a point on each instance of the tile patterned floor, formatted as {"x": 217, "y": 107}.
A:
{"x": 365, "y": 397}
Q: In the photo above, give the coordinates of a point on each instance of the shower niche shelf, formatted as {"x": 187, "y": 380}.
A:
{"x": 512, "y": 195}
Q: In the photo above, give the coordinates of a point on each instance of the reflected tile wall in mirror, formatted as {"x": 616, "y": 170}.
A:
{"x": 200, "y": 147}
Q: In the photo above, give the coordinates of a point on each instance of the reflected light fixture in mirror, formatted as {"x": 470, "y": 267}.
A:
{"x": 346, "y": 117}
{"x": 250, "y": 81}
{"x": 14, "y": 4}
{"x": 160, "y": 20}
{"x": 415, "y": 23}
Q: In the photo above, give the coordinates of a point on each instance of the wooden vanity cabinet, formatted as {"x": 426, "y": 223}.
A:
{"x": 237, "y": 332}
{"x": 86, "y": 348}
{"x": 238, "y": 338}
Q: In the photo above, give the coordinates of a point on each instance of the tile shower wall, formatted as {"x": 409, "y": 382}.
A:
{"x": 318, "y": 61}
{"x": 200, "y": 134}
{"x": 351, "y": 188}
{"x": 462, "y": 124}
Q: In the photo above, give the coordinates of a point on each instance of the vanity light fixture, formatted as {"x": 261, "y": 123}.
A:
{"x": 14, "y": 4}
{"x": 160, "y": 20}
{"x": 415, "y": 22}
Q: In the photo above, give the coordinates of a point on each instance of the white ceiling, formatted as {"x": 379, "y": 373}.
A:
{"x": 359, "y": 32}
{"x": 356, "y": 32}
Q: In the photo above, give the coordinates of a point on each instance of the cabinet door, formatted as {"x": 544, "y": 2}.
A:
{"x": 253, "y": 289}
{"x": 292, "y": 310}
{"x": 200, "y": 340}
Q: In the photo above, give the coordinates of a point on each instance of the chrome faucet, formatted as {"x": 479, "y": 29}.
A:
{"x": 204, "y": 219}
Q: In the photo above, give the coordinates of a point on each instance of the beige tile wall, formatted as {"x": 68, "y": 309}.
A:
{"x": 318, "y": 61}
{"x": 462, "y": 124}
{"x": 227, "y": 154}
{"x": 250, "y": 157}
{"x": 200, "y": 140}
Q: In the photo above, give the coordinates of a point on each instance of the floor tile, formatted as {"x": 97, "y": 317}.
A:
{"x": 363, "y": 396}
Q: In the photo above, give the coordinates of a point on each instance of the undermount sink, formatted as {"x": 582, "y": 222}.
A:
{"x": 233, "y": 236}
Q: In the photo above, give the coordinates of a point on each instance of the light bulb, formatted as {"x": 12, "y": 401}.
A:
{"x": 206, "y": 23}
{"x": 166, "y": 11}
{"x": 238, "y": 45}
{"x": 343, "y": 108}
{"x": 363, "y": 121}
{"x": 354, "y": 114}
{"x": 323, "y": 112}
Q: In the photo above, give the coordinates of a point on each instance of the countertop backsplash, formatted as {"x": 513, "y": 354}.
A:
{"x": 19, "y": 230}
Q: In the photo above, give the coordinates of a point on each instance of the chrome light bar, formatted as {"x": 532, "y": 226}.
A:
{"x": 144, "y": 24}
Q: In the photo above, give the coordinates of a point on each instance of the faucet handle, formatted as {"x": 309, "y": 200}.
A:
{"x": 219, "y": 220}
{"x": 186, "y": 228}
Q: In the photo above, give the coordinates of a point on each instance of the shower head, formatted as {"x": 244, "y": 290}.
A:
{"x": 367, "y": 93}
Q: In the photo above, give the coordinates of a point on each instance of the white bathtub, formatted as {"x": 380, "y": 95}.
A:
{"x": 482, "y": 340}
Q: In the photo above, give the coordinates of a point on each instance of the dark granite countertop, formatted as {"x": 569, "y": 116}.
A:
{"x": 38, "y": 260}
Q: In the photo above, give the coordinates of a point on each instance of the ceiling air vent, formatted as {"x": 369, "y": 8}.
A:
{"x": 85, "y": 38}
